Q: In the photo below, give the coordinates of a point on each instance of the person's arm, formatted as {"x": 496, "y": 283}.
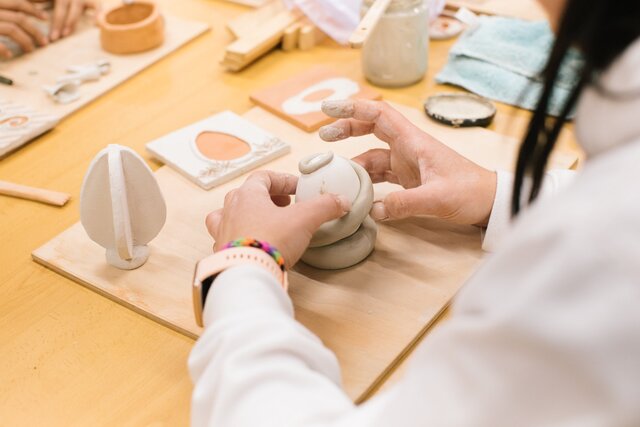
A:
{"x": 500, "y": 219}
{"x": 533, "y": 340}
{"x": 255, "y": 365}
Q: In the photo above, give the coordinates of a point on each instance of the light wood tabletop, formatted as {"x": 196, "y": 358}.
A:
{"x": 69, "y": 355}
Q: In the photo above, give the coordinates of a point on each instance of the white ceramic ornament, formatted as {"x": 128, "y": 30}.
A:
{"x": 121, "y": 206}
{"x": 346, "y": 241}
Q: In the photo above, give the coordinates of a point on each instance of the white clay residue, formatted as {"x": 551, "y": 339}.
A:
{"x": 342, "y": 88}
{"x": 331, "y": 133}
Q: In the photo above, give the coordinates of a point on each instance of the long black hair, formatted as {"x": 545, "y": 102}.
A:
{"x": 601, "y": 30}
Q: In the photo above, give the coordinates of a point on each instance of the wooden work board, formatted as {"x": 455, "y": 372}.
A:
{"x": 44, "y": 66}
{"x": 370, "y": 315}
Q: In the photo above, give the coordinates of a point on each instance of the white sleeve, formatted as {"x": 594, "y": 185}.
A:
{"x": 255, "y": 365}
{"x": 500, "y": 219}
{"x": 525, "y": 346}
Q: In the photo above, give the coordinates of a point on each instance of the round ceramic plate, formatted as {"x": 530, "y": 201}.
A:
{"x": 460, "y": 109}
{"x": 445, "y": 27}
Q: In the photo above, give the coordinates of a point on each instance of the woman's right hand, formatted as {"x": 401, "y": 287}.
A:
{"x": 438, "y": 181}
{"x": 15, "y": 23}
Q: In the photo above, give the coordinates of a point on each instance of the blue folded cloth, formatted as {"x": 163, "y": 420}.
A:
{"x": 502, "y": 59}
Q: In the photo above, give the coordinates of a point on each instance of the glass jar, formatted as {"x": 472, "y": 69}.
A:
{"x": 396, "y": 52}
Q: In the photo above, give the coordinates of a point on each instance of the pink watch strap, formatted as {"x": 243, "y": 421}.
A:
{"x": 208, "y": 268}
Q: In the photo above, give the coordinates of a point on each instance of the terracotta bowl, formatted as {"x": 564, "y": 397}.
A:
{"x": 131, "y": 28}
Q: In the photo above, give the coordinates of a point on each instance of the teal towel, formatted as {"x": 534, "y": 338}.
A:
{"x": 502, "y": 59}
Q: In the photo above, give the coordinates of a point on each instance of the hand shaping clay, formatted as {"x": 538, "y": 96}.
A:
{"x": 346, "y": 241}
{"x": 121, "y": 206}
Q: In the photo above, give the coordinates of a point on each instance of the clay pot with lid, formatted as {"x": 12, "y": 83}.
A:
{"x": 131, "y": 28}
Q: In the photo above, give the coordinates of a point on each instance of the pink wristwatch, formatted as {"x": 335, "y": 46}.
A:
{"x": 209, "y": 268}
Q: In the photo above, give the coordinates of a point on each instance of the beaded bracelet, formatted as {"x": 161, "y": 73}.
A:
{"x": 253, "y": 243}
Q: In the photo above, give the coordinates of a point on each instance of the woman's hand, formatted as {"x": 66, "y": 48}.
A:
{"x": 261, "y": 208}
{"x": 66, "y": 14}
{"x": 15, "y": 23}
{"x": 438, "y": 181}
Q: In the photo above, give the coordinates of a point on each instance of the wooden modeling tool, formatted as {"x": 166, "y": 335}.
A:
{"x": 48, "y": 197}
{"x": 368, "y": 23}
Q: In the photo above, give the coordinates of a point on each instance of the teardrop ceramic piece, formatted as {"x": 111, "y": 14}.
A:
{"x": 218, "y": 146}
{"x": 121, "y": 205}
{"x": 334, "y": 176}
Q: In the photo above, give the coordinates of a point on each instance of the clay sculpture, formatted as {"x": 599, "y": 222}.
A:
{"x": 346, "y": 241}
{"x": 133, "y": 27}
{"x": 121, "y": 206}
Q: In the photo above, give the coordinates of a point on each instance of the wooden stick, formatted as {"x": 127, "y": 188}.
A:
{"x": 36, "y": 194}
{"x": 368, "y": 23}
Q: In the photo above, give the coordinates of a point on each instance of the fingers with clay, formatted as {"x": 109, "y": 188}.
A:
{"x": 360, "y": 117}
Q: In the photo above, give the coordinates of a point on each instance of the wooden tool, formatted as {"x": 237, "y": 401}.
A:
{"x": 263, "y": 39}
{"x": 32, "y": 193}
{"x": 368, "y": 23}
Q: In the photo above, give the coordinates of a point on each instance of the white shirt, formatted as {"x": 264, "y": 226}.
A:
{"x": 546, "y": 333}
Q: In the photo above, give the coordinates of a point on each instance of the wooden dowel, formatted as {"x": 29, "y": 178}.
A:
{"x": 31, "y": 193}
{"x": 368, "y": 23}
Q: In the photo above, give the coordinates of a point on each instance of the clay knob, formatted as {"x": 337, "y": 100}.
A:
{"x": 325, "y": 173}
{"x": 131, "y": 28}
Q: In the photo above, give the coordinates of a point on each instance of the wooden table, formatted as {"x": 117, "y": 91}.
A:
{"x": 70, "y": 356}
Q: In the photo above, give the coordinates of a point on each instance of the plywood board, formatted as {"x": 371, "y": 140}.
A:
{"x": 369, "y": 315}
{"x": 298, "y": 99}
{"x": 523, "y": 9}
{"x": 44, "y": 66}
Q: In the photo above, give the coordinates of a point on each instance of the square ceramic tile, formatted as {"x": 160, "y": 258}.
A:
{"x": 298, "y": 100}
{"x": 218, "y": 149}
{"x": 20, "y": 124}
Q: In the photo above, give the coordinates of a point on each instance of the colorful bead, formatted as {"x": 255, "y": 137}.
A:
{"x": 253, "y": 243}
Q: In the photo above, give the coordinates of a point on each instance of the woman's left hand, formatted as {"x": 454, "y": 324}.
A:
{"x": 261, "y": 209}
{"x": 66, "y": 14}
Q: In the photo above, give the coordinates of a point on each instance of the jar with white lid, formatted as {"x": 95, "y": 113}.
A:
{"x": 396, "y": 52}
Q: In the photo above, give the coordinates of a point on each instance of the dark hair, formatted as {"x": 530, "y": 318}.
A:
{"x": 602, "y": 30}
